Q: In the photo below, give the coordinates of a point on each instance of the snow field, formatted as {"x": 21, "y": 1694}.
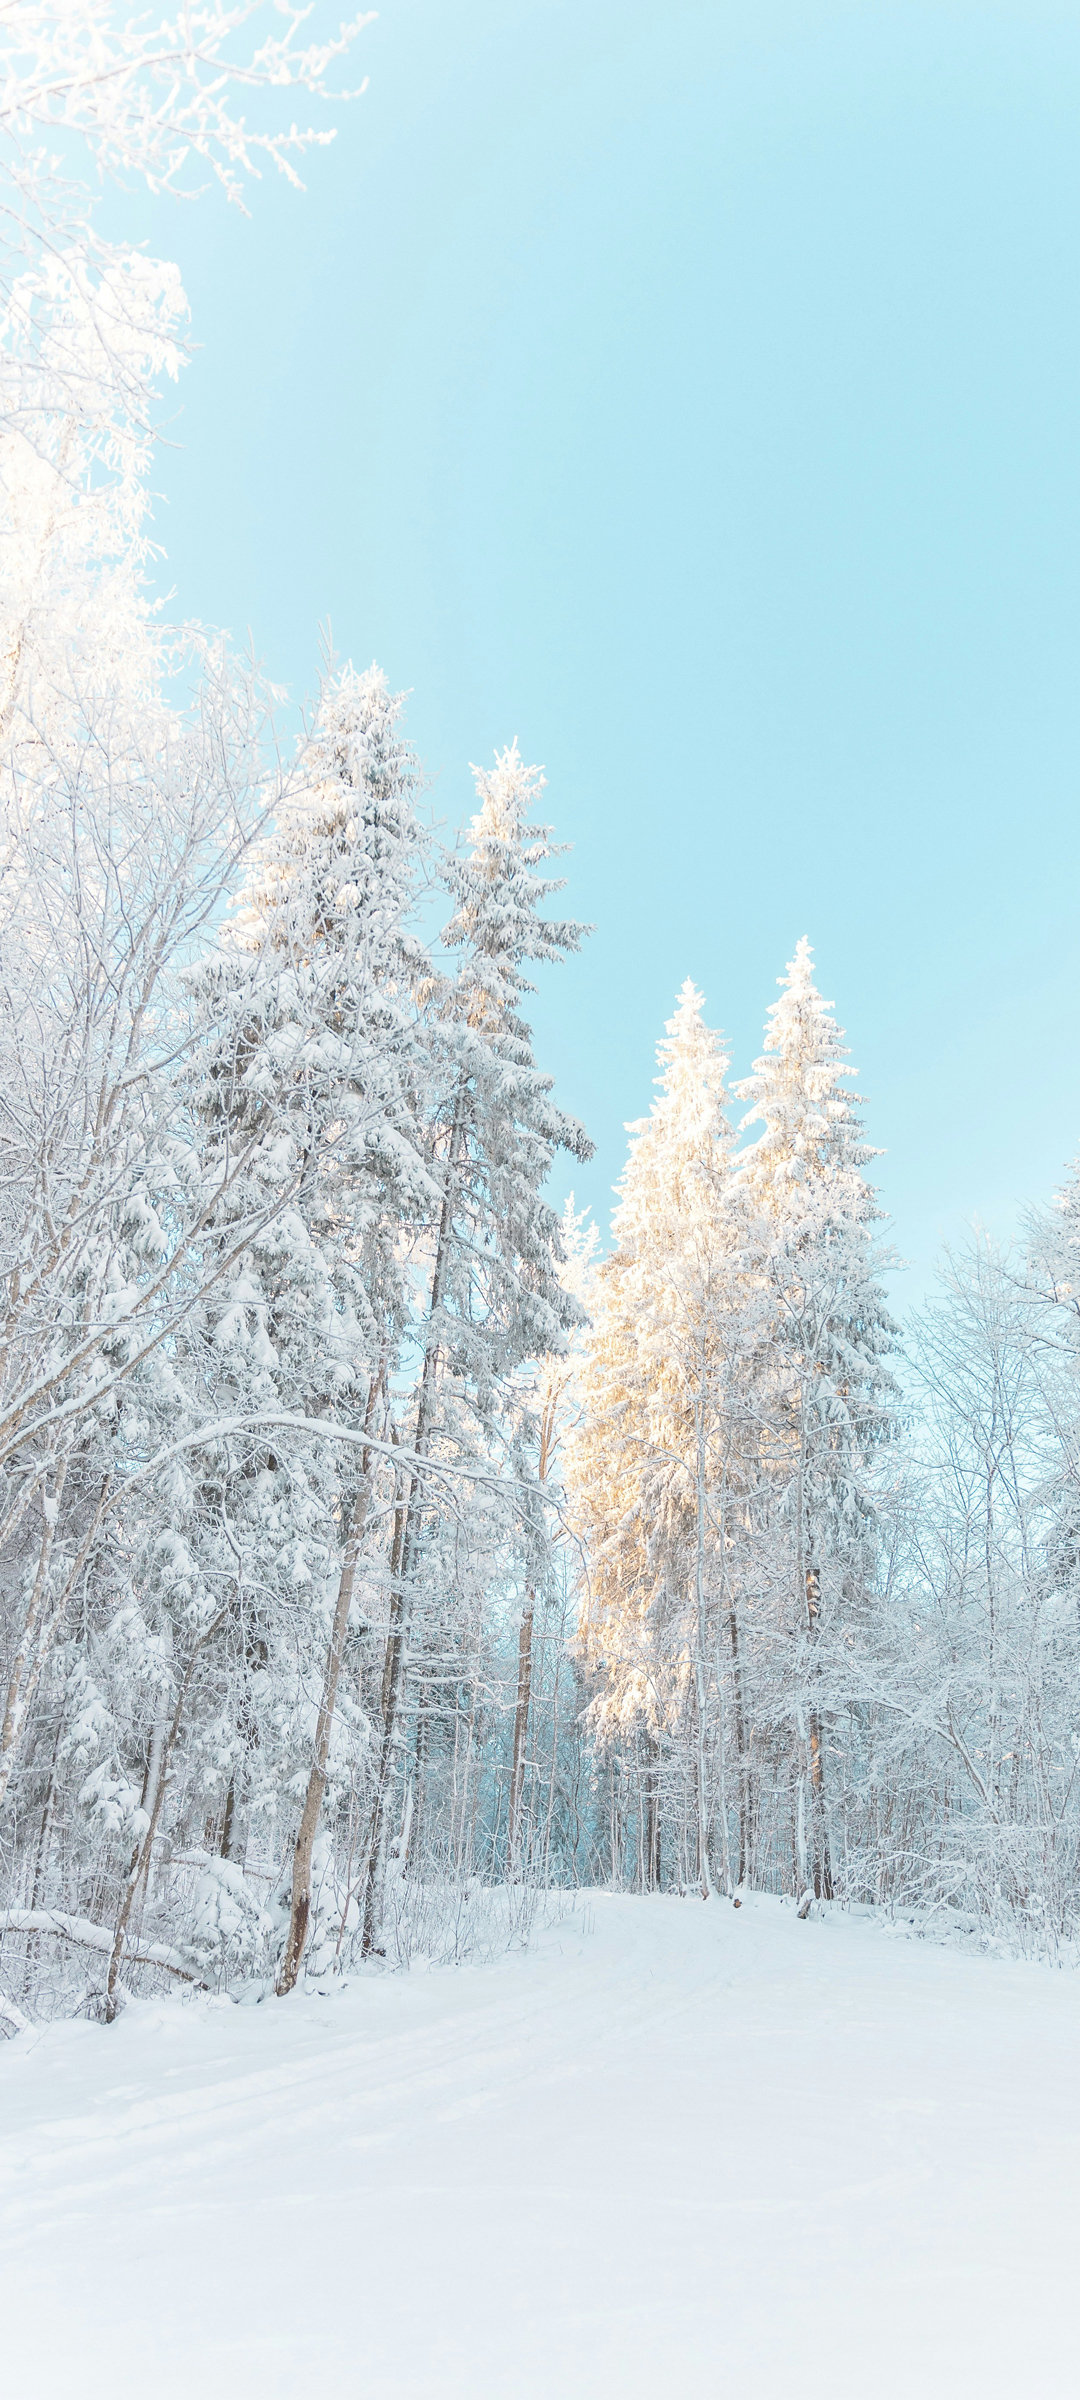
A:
{"x": 673, "y": 2149}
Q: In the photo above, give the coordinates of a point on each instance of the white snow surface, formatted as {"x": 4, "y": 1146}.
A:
{"x": 672, "y": 2149}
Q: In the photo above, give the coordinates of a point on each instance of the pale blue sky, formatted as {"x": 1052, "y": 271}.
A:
{"x": 694, "y": 393}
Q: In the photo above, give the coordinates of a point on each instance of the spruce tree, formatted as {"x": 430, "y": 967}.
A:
{"x": 827, "y": 1399}
{"x": 656, "y": 1463}
{"x": 316, "y": 1056}
{"x": 494, "y": 1299}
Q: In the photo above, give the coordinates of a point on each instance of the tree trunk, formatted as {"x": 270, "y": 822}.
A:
{"x": 525, "y": 1643}
{"x": 228, "y": 1822}
{"x": 800, "y": 1873}
{"x": 375, "y": 1868}
{"x": 412, "y": 1848}
{"x": 521, "y": 1731}
{"x": 408, "y": 1527}
{"x": 821, "y": 1862}
{"x": 300, "y": 1910}
{"x": 652, "y": 1814}
{"x": 701, "y": 1778}
{"x": 743, "y": 1759}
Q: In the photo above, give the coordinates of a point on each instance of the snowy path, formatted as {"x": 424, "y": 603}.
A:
{"x": 687, "y": 2151}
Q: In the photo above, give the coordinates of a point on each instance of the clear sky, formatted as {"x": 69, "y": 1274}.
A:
{"x": 693, "y": 392}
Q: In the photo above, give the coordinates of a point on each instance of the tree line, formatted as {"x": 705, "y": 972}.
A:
{"x": 832, "y": 1592}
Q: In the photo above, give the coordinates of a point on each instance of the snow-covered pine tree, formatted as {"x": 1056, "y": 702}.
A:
{"x": 492, "y": 1297}
{"x": 316, "y": 1054}
{"x": 508, "y": 1127}
{"x": 826, "y": 1399}
{"x": 657, "y": 1465}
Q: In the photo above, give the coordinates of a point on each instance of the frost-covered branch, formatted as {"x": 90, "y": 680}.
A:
{"x": 87, "y": 1936}
{"x": 151, "y": 94}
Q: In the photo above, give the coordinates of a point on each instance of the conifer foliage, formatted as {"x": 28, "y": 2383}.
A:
{"x": 826, "y": 1399}
{"x": 736, "y": 1401}
{"x": 655, "y": 1459}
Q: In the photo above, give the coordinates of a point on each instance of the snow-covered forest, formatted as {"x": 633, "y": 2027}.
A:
{"x": 380, "y": 1549}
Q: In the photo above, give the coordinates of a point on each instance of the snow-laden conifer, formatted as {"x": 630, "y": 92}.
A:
{"x": 315, "y": 1058}
{"x": 826, "y": 1397}
{"x": 659, "y": 1464}
{"x": 490, "y": 1296}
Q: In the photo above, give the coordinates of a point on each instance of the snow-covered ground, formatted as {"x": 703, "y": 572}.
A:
{"x": 674, "y": 2149}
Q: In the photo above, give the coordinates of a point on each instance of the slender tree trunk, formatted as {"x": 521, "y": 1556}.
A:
{"x": 742, "y": 1749}
{"x": 401, "y": 1581}
{"x": 300, "y": 1906}
{"x": 701, "y": 1776}
{"x": 821, "y": 1863}
{"x": 461, "y": 1842}
{"x": 41, "y": 1863}
{"x": 803, "y": 1639}
{"x": 151, "y": 1786}
{"x": 228, "y": 1821}
{"x": 652, "y": 1812}
{"x": 300, "y": 1909}
{"x": 413, "y": 1848}
{"x": 650, "y": 1817}
{"x": 525, "y": 1647}
{"x": 521, "y": 1733}
{"x": 799, "y": 1880}
{"x": 375, "y": 1868}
